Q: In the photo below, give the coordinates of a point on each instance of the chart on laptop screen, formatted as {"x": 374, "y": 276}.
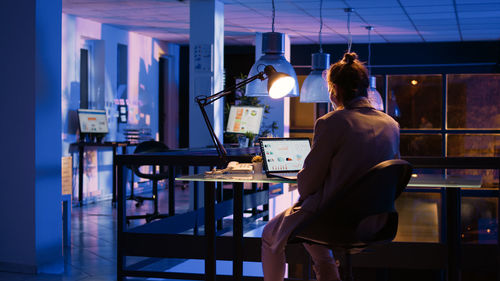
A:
{"x": 285, "y": 155}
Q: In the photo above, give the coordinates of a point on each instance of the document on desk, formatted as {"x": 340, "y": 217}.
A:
{"x": 67, "y": 175}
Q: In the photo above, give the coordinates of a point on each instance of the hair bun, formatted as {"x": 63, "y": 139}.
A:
{"x": 349, "y": 58}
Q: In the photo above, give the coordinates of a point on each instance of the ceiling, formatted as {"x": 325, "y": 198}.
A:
{"x": 394, "y": 21}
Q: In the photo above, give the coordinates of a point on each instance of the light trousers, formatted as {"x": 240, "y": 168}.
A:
{"x": 273, "y": 258}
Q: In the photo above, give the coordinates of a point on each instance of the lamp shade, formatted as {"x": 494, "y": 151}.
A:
{"x": 374, "y": 96}
{"x": 315, "y": 87}
{"x": 279, "y": 84}
{"x": 273, "y": 49}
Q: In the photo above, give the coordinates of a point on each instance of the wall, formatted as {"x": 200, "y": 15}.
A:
{"x": 30, "y": 190}
{"x": 141, "y": 90}
{"x": 445, "y": 57}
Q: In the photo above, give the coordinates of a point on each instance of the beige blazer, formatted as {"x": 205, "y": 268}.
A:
{"x": 346, "y": 144}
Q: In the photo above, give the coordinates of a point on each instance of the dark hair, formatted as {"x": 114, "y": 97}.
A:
{"x": 351, "y": 76}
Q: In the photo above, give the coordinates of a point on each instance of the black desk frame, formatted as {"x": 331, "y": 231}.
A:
{"x": 81, "y": 150}
{"x": 131, "y": 242}
{"x": 452, "y": 199}
{"x": 450, "y": 238}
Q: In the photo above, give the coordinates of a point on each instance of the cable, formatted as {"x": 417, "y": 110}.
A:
{"x": 320, "y": 25}
{"x": 369, "y": 28}
{"x": 274, "y": 13}
{"x": 349, "y": 42}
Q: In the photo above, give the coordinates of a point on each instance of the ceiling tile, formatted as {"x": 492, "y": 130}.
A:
{"x": 300, "y": 18}
{"x": 409, "y": 3}
{"x": 429, "y": 9}
{"x": 357, "y": 4}
{"x": 478, "y": 7}
{"x": 461, "y": 2}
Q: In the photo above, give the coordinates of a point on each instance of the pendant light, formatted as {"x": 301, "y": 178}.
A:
{"x": 373, "y": 95}
{"x": 273, "y": 49}
{"x": 315, "y": 87}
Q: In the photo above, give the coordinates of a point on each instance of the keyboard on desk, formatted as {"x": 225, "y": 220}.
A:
{"x": 284, "y": 175}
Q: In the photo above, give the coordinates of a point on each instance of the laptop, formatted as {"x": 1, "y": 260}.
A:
{"x": 284, "y": 157}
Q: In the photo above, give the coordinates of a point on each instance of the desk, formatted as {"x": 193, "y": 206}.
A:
{"x": 137, "y": 243}
{"x": 149, "y": 240}
{"x": 452, "y": 218}
{"x": 81, "y": 149}
{"x": 451, "y": 185}
{"x": 237, "y": 181}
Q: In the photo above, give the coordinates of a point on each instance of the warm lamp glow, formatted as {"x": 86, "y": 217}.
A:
{"x": 414, "y": 82}
{"x": 281, "y": 87}
{"x": 273, "y": 49}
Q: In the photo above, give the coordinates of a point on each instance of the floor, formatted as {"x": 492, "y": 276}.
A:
{"x": 92, "y": 254}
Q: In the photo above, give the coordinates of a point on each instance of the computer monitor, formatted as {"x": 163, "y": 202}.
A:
{"x": 243, "y": 119}
{"x": 93, "y": 121}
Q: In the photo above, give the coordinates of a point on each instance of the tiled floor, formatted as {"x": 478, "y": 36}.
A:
{"x": 92, "y": 255}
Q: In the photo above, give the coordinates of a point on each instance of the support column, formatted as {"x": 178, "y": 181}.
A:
{"x": 30, "y": 193}
{"x": 206, "y": 62}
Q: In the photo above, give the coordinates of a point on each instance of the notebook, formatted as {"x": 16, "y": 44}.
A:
{"x": 284, "y": 157}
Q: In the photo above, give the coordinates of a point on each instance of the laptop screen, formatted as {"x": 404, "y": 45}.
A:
{"x": 93, "y": 121}
{"x": 284, "y": 154}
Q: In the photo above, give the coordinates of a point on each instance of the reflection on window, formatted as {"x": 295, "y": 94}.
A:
{"x": 474, "y": 145}
{"x": 415, "y": 100}
{"x": 419, "y": 215}
{"x": 473, "y": 101}
{"x": 479, "y": 220}
{"x": 420, "y": 145}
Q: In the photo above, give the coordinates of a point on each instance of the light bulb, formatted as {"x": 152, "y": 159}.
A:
{"x": 281, "y": 87}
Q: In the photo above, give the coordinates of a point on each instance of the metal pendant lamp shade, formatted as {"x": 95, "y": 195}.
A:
{"x": 374, "y": 96}
{"x": 315, "y": 87}
{"x": 273, "y": 49}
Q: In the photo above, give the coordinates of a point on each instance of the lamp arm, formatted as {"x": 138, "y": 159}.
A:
{"x": 221, "y": 151}
{"x": 203, "y": 101}
{"x": 210, "y": 99}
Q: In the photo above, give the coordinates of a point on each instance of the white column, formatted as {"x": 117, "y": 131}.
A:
{"x": 30, "y": 191}
{"x": 206, "y": 62}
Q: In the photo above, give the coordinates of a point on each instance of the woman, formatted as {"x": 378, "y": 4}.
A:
{"x": 346, "y": 143}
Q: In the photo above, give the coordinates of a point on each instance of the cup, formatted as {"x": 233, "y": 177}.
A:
{"x": 257, "y": 167}
{"x": 242, "y": 141}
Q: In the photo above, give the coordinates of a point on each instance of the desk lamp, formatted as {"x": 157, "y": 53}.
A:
{"x": 279, "y": 84}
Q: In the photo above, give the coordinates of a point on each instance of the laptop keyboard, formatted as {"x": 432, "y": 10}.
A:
{"x": 285, "y": 174}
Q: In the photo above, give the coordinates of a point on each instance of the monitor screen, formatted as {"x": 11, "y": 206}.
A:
{"x": 244, "y": 119}
{"x": 93, "y": 121}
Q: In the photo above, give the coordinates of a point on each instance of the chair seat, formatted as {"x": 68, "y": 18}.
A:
{"x": 359, "y": 235}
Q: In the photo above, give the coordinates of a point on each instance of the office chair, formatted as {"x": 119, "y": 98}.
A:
{"x": 345, "y": 225}
{"x": 148, "y": 147}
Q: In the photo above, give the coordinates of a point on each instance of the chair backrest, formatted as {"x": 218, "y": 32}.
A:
{"x": 148, "y": 147}
{"x": 361, "y": 205}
